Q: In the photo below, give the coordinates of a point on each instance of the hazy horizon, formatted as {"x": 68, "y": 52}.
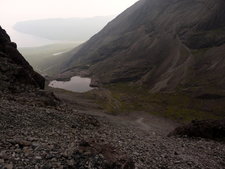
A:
{"x": 76, "y": 30}
{"x": 12, "y": 11}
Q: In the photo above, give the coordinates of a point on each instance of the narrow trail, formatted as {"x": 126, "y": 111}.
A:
{"x": 140, "y": 119}
{"x": 143, "y": 125}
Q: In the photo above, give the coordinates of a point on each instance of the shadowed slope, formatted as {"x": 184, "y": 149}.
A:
{"x": 164, "y": 44}
{"x": 15, "y": 72}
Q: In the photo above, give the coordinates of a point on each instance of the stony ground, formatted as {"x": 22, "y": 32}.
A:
{"x": 38, "y": 133}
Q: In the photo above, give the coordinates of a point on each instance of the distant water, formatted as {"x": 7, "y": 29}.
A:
{"x": 26, "y": 40}
{"x": 76, "y": 84}
{"x": 59, "y": 53}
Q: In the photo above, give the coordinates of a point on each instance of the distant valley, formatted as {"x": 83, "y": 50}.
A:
{"x": 145, "y": 54}
{"x": 63, "y": 34}
{"x": 48, "y": 59}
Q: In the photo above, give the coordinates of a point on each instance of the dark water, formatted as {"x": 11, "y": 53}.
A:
{"x": 76, "y": 84}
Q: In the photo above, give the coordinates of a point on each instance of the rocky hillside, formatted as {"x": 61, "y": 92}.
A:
{"x": 164, "y": 44}
{"x": 39, "y": 131}
{"x": 15, "y": 72}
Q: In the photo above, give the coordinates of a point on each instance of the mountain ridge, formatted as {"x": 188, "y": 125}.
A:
{"x": 159, "y": 44}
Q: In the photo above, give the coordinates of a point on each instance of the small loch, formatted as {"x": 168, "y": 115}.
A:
{"x": 75, "y": 84}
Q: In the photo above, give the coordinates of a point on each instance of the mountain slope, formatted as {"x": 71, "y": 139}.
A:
{"x": 164, "y": 44}
{"x": 15, "y": 72}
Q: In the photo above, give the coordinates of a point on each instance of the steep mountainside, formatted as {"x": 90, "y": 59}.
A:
{"x": 164, "y": 44}
{"x": 15, "y": 72}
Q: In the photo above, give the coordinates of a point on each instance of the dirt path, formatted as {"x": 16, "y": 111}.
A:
{"x": 142, "y": 120}
{"x": 141, "y": 123}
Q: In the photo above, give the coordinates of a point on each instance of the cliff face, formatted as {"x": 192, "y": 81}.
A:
{"x": 164, "y": 44}
{"x": 15, "y": 72}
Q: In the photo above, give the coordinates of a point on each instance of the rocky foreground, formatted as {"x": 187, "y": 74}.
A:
{"x": 39, "y": 131}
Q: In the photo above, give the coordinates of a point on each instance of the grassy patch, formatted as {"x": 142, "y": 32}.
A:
{"x": 180, "y": 107}
{"x": 199, "y": 51}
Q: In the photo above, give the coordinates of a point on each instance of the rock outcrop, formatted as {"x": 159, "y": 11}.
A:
{"x": 164, "y": 44}
{"x": 16, "y": 74}
{"x": 210, "y": 129}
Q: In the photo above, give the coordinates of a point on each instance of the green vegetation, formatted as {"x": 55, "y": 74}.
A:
{"x": 199, "y": 52}
{"x": 47, "y": 59}
{"x": 126, "y": 98}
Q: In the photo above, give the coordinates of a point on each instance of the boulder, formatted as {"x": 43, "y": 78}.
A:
{"x": 209, "y": 129}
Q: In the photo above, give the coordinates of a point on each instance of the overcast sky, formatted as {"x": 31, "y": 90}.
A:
{"x": 12, "y": 11}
